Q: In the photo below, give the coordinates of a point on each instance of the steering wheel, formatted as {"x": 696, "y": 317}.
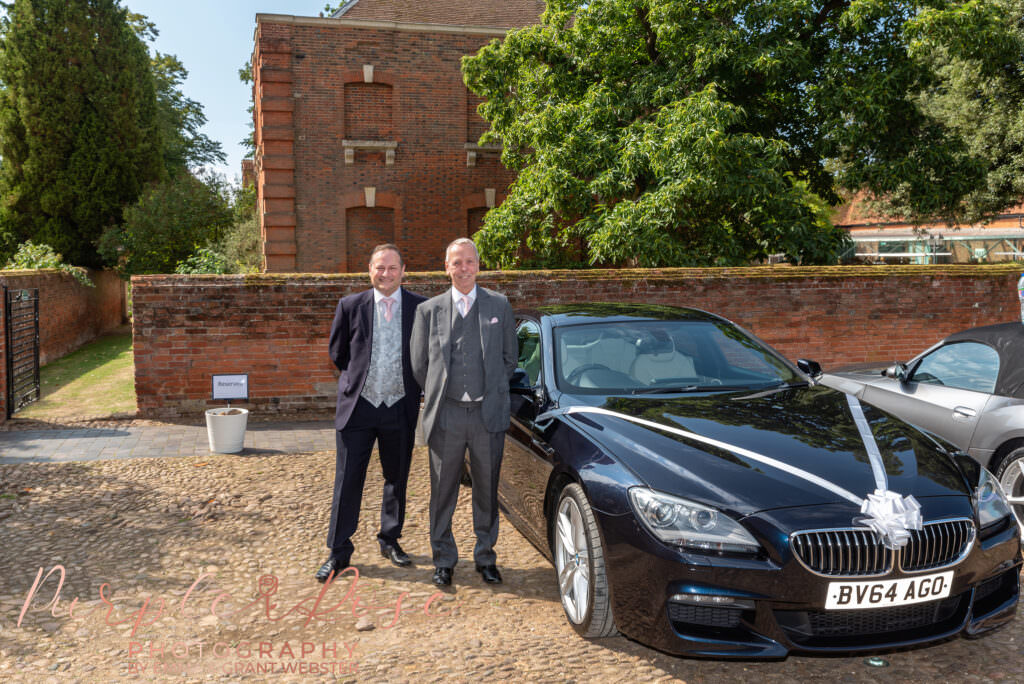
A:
{"x": 580, "y": 370}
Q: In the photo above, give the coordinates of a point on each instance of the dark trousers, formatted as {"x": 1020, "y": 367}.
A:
{"x": 461, "y": 428}
{"x": 390, "y": 429}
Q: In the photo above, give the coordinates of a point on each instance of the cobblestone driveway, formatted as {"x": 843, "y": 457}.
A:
{"x": 200, "y": 568}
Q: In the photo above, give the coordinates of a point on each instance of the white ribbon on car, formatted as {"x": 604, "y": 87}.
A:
{"x": 887, "y": 513}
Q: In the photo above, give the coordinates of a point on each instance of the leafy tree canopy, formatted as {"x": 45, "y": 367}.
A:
{"x": 238, "y": 249}
{"x": 716, "y": 132}
{"x": 87, "y": 118}
{"x": 170, "y": 221}
{"x": 205, "y": 260}
{"x": 79, "y": 131}
{"x": 180, "y": 118}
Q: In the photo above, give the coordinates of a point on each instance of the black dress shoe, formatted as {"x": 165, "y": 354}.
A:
{"x": 442, "y": 576}
{"x": 395, "y": 554}
{"x": 333, "y": 564}
{"x": 489, "y": 573}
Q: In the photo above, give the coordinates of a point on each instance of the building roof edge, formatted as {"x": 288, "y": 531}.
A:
{"x": 387, "y": 25}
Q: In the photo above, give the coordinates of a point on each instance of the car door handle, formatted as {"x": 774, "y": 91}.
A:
{"x": 550, "y": 451}
{"x": 963, "y": 413}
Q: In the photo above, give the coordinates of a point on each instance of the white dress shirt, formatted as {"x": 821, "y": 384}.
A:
{"x": 395, "y": 308}
{"x": 457, "y": 297}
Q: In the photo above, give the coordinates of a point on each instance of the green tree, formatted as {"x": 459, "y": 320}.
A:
{"x": 710, "y": 132}
{"x": 79, "y": 130}
{"x": 241, "y": 244}
{"x": 180, "y": 118}
{"x": 235, "y": 249}
{"x": 171, "y": 220}
{"x": 979, "y": 97}
{"x": 239, "y": 248}
{"x": 204, "y": 260}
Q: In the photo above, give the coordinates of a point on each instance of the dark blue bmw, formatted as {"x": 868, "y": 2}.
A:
{"x": 700, "y": 494}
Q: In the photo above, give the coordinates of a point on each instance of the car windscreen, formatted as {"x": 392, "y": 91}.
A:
{"x": 663, "y": 356}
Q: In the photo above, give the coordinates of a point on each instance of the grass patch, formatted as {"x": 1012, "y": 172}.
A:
{"x": 95, "y": 381}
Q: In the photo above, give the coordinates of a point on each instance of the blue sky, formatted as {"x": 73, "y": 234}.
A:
{"x": 214, "y": 40}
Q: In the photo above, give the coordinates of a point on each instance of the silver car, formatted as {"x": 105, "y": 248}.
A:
{"x": 967, "y": 389}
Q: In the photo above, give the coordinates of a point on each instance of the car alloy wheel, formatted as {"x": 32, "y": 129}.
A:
{"x": 579, "y": 562}
{"x": 1011, "y": 477}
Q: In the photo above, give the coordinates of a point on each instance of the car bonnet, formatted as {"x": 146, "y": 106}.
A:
{"x": 754, "y": 451}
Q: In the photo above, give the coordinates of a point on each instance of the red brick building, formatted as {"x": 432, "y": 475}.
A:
{"x": 365, "y": 132}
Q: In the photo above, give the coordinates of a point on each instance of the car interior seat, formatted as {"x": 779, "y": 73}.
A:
{"x": 657, "y": 359}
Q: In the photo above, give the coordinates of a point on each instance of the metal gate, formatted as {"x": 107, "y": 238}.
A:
{"x": 22, "y": 326}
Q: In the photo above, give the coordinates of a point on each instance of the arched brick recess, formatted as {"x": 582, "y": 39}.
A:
{"x": 363, "y": 228}
{"x": 368, "y": 111}
{"x": 366, "y": 227}
{"x": 474, "y": 208}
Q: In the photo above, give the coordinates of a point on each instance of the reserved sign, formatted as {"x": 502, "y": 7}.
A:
{"x": 231, "y": 387}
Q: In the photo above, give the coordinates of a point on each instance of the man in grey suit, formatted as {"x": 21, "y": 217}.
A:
{"x": 464, "y": 351}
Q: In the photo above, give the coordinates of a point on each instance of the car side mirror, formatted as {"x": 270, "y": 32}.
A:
{"x": 520, "y": 382}
{"x": 811, "y": 368}
{"x": 897, "y": 371}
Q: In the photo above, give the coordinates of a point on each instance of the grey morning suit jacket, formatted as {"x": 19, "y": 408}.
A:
{"x": 430, "y": 352}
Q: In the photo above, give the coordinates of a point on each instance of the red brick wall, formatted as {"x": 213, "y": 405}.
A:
{"x": 311, "y": 93}
{"x": 275, "y": 327}
{"x": 69, "y": 314}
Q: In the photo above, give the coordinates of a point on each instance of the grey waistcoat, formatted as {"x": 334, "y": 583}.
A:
{"x": 466, "y": 374}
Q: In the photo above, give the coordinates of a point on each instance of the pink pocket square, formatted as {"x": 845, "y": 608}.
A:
{"x": 494, "y": 319}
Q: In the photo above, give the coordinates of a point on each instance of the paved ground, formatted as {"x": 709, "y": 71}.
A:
{"x": 128, "y": 440}
{"x": 198, "y": 568}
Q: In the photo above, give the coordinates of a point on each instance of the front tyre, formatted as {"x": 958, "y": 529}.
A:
{"x": 1011, "y": 477}
{"x": 579, "y": 562}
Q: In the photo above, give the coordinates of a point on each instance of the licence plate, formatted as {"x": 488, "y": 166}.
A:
{"x": 882, "y": 594}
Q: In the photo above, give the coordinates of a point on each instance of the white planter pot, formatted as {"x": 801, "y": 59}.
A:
{"x": 226, "y": 429}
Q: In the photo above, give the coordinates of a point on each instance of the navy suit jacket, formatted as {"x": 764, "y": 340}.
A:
{"x": 350, "y": 345}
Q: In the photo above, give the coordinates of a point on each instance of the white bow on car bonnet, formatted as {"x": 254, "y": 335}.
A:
{"x": 889, "y": 514}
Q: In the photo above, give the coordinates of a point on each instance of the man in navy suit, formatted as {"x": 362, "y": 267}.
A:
{"x": 378, "y": 401}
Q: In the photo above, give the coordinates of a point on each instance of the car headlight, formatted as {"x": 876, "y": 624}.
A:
{"x": 690, "y": 525}
{"x": 989, "y": 500}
